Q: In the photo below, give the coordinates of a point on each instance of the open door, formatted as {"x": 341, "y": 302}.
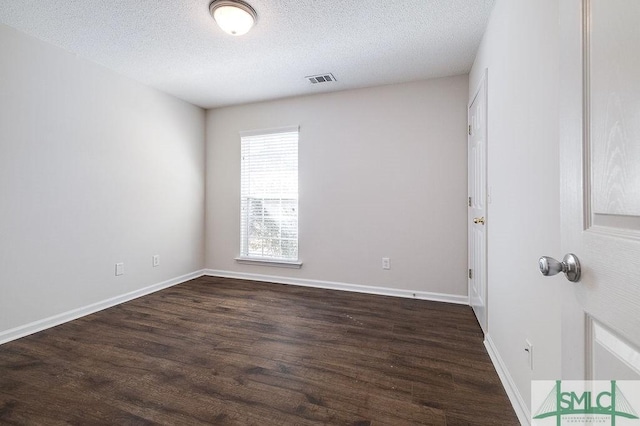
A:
{"x": 477, "y": 217}
{"x": 600, "y": 175}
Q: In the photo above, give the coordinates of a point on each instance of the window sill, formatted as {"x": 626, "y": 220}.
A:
{"x": 269, "y": 262}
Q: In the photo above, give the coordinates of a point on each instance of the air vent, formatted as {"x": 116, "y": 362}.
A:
{"x": 321, "y": 78}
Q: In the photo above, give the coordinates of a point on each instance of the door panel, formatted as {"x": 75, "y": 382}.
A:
{"x": 614, "y": 100}
{"x": 611, "y": 356}
{"x": 477, "y": 231}
{"x": 600, "y": 173}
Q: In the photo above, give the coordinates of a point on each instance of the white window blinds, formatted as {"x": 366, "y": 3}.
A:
{"x": 269, "y": 195}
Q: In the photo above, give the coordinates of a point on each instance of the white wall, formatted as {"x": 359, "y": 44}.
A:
{"x": 94, "y": 169}
{"x": 520, "y": 50}
{"x": 382, "y": 173}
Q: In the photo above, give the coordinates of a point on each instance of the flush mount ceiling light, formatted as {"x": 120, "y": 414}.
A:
{"x": 233, "y": 16}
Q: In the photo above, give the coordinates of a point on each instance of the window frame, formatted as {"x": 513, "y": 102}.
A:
{"x": 245, "y": 257}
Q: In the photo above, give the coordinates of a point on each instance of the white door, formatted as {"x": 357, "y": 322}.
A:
{"x": 477, "y": 216}
{"x": 600, "y": 174}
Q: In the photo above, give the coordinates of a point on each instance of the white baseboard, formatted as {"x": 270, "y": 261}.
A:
{"x": 43, "y": 324}
{"x": 519, "y": 406}
{"x": 384, "y": 291}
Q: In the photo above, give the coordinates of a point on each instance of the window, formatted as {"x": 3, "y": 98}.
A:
{"x": 269, "y": 196}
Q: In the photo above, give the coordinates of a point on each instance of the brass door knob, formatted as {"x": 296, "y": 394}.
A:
{"x": 479, "y": 220}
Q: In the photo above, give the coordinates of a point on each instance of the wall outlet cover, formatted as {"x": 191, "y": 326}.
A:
{"x": 386, "y": 263}
{"x": 528, "y": 348}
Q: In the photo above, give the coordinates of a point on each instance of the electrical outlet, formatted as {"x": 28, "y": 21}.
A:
{"x": 119, "y": 269}
{"x": 386, "y": 264}
{"x": 528, "y": 348}
{"x": 155, "y": 260}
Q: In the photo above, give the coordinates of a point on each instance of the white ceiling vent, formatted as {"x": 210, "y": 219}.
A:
{"x": 321, "y": 78}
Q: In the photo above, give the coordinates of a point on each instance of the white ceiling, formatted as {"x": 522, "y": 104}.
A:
{"x": 175, "y": 46}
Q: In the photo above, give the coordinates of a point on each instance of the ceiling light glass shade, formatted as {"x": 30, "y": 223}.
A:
{"x": 234, "y": 17}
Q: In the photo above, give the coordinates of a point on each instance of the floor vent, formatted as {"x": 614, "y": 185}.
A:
{"x": 321, "y": 78}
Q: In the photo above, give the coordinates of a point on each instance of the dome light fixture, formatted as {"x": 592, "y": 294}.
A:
{"x": 235, "y": 17}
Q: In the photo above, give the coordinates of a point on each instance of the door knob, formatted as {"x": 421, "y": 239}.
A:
{"x": 570, "y": 265}
{"x": 479, "y": 220}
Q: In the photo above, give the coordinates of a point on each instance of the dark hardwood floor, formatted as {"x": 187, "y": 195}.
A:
{"x": 220, "y": 351}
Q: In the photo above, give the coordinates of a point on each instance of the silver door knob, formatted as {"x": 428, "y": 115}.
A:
{"x": 570, "y": 265}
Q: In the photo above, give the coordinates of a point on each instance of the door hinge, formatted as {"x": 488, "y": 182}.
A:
{"x": 470, "y": 274}
{"x": 469, "y": 129}
{"x": 469, "y": 201}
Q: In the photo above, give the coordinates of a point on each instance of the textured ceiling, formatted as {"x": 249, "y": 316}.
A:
{"x": 175, "y": 46}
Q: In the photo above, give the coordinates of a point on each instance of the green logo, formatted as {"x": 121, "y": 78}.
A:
{"x": 608, "y": 402}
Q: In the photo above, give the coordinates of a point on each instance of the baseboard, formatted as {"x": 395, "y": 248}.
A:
{"x": 519, "y": 406}
{"x": 357, "y": 288}
{"x": 43, "y": 324}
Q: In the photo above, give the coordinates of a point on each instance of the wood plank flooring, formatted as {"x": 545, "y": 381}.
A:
{"x": 231, "y": 352}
